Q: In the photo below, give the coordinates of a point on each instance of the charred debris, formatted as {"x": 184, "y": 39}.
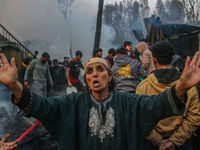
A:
{"x": 184, "y": 37}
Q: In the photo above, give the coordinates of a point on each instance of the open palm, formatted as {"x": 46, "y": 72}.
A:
{"x": 7, "y": 146}
{"x": 8, "y": 72}
{"x": 191, "y": 72}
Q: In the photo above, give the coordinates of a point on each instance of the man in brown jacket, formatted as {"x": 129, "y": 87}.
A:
{"x": 176, "y": 130}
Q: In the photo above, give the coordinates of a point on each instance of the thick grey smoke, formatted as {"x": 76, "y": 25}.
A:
{"x": 44, "y": 27}
{"x": 7, "y": 110}
{"x": 13, "y": 120}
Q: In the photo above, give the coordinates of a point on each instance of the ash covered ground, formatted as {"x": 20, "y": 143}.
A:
{"x": 14, "y": 122}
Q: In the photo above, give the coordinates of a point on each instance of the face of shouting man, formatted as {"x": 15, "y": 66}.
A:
{"x": 97, "y": 78}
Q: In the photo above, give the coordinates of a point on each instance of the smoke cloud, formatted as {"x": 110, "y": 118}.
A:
{"x": 43, "y": 27}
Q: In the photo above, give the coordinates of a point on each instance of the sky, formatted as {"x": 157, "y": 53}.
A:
{"x": 43, "y": 23}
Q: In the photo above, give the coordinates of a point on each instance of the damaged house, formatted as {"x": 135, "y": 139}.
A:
{"x": 184, "y": 37}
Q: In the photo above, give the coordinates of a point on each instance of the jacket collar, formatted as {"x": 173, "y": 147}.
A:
{"x": 166, "y": 75}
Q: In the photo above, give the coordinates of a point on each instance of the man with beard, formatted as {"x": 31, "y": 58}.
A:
{"x": 59, "y": 78}
{"x": 98, "y": 53}
{"x": 73, "y": 72}
{"x": 110, "y": 56}
{"x": 129, "y": 48}
{"x": 39, "y": 70}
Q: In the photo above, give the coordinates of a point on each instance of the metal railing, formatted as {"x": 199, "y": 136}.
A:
{"x": 6, "y": 34}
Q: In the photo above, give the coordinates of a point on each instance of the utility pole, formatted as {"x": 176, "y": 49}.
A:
{"x": 98, "y": 26}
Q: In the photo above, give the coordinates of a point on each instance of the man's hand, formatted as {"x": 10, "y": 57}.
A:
{"x": 163, "y": 141}
{"x": 7, "y": 146}
{"x": 8, "y": 72}
{"x": 9, "y": 76}
{"x": 129, "y": 48}
{"x": 26, "y": 84}
{"x": 190, "y": 75}
{"x": 70, "y": 84}
{"x": 167, "y": 146}
{"x": 51, "y": 85}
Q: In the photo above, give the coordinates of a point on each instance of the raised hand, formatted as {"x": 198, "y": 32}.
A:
{"x": 8, "y": 72}
{"x": 9, "y": 75}
{"x": 7, "y": 146}
{"x": 190, "y": 75}
{"x": 191, "y": 72}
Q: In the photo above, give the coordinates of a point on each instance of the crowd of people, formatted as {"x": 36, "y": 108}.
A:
{"x": 134, "y": 99}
